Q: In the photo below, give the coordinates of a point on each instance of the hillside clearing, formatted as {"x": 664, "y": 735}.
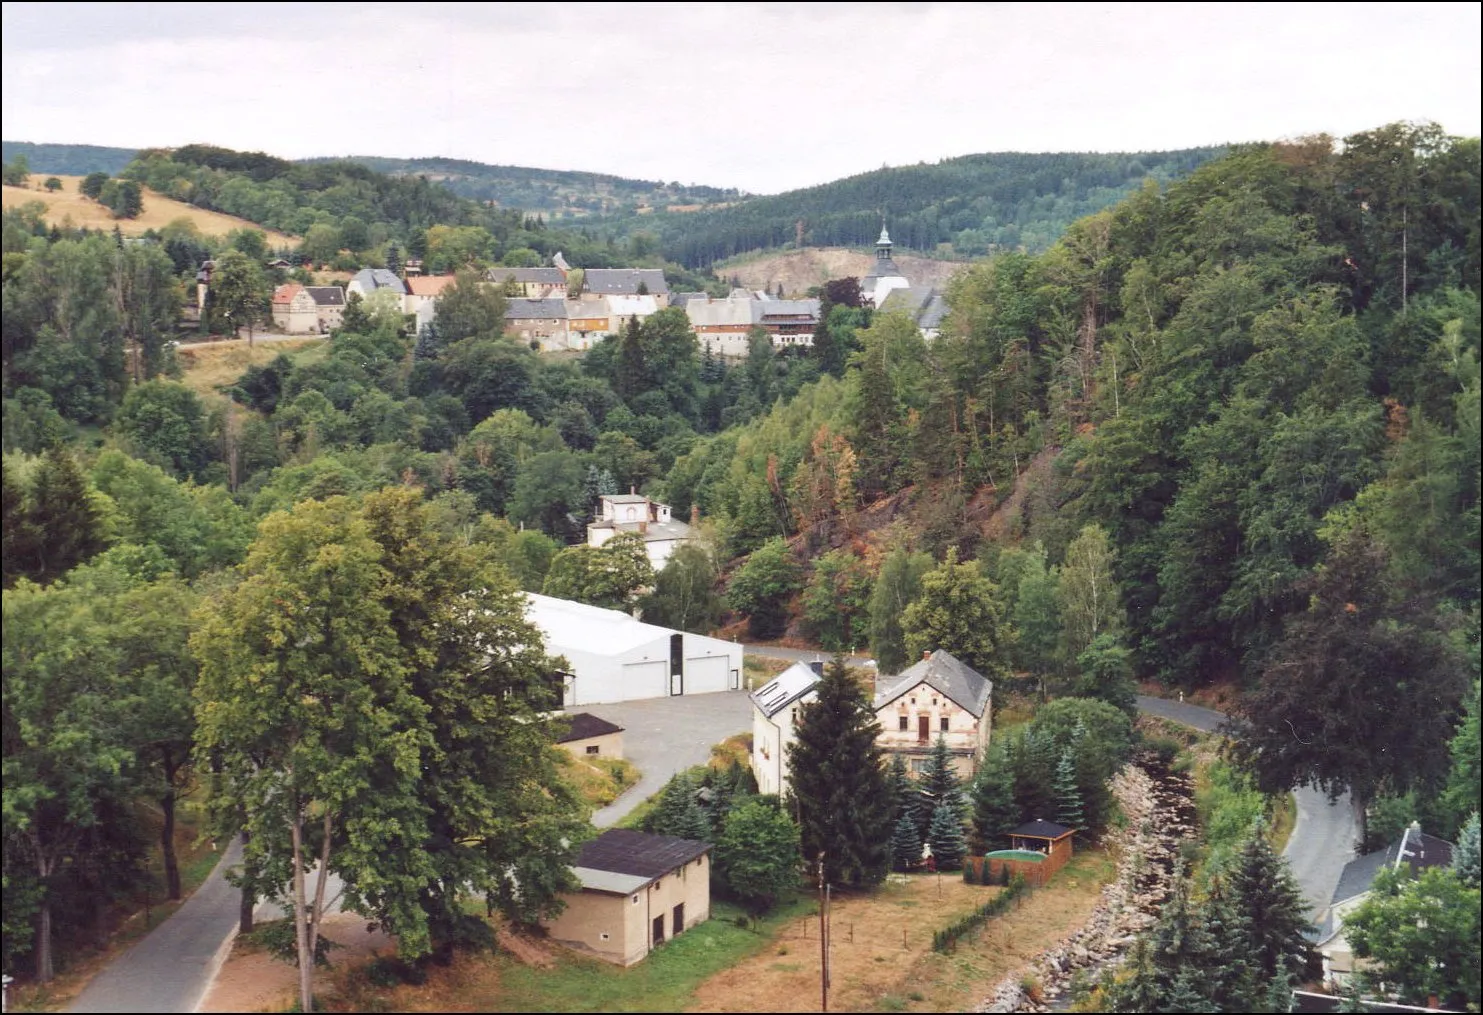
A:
{"x": 207, "y": 365}
{"x": 159, "y": 211}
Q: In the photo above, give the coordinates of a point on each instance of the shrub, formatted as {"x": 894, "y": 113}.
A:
{"x": 279, "y": 939}
{"x": 946, "y": 939}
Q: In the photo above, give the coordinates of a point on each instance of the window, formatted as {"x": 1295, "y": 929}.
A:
{"x": 593, "y": 749}
{"x": 913, "y": 701}
{"x": 603, "y": 936}
{"x": 635, "y": 900}
{"x": 918, "y": 765}
{"x": 934, "y": 701}
{"x": 905, "y": 723}
{"x": 944, "y": 724}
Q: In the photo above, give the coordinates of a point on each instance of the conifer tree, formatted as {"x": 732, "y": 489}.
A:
{"x": 906, "y": 844}
{"x": 64, "y": 525}
{"x": 995, "y": 814}
{"x": 902, "y": 789}
{"x": 839, "y": 786}
{"x": 827, "y": 350}
{"x": 1261, "y": 886}
{"x": 946, "y": 837}
{"x": 393, "y": 259}
{"x": 939, "y": 786}
{"x": 678, "y": 813}
{"x": 1069, "y": 811}
{"x": 1465, "y": 858}
{"x": 632, "y": 377}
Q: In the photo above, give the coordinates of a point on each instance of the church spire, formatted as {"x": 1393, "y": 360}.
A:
{"x": 883, "y": 245}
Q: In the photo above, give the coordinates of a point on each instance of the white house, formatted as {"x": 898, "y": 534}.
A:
{"x": 648, "y": 519}
{"x": 1414, "y": 848}
{"x": 924, "y": 304}
{"x": 614, "y": 657}
{"x": 938, "y": 696}
{"x": 774, "y": 716}
{"x": 884, "y": 275}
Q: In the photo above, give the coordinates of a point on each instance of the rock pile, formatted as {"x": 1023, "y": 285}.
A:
{"x": 1159, "y": 816}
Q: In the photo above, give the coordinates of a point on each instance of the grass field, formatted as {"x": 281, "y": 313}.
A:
{"x": 159, "y": 211}
{"x": 208, "y": 365}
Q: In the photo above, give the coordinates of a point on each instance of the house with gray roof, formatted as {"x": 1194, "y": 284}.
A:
{"x": 626, "y": 282}
{"x": 368, "y": 280}
{"x": 774, "y": 721}
{"x": 938, "y": 696}
{"x": 924, "y": 304}
{"x": 543, "y": 322}
{"x": 650, "y": 520}
{"x": 724, "y": 326}
{"x": 1414, "y": 849}
{"x": 530, "y": 283}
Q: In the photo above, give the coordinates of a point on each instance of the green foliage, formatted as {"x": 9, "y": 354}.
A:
{"x": 835, "y": 601}
{"x": 1465, "y": 780}
{"x": 164, "y": 422}
{"x": 906, "y": 843}
{"x": 995, "y": 813}
{"x": 1107, "y": 673}
{"x": 678, "y": 813}
{"x": 945, "y": 837}
{"x": 961, "y": 611}
{"x": 838, "y": 784}
{"x": 896, "y": 587}
{"x": 609, "y": 576}
{"x": 240, "y": 293}
{"x": 759, "y": 853}
{"x": 1068, "y": 795}
{"x": 1467, "y": 855}
{"x": 762, "y": 586}
{"x": 1422, "y": 935}
{"x": 684, "y": 595}
{"x": 946, "y": 939}
{"x": 278, "y": 939}
{"x": 469, "y": 309}
{"x": 938, "y": 787}
{"x": 60, "y": 524}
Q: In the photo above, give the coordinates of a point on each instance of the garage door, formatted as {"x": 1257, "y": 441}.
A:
{"x": 706, "y": 674}
{"x": 645, "y": 680}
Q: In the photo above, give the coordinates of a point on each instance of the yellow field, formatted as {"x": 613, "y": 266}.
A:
{"x": 159, "y": 211}
{"x": 208, "y": 364}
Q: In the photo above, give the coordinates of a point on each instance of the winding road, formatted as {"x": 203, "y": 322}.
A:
{"x": 171, "y": 968}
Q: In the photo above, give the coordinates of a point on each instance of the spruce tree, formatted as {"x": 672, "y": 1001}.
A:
{"x": 1069, "y": 811}
{"x": 1261, "y": 886}
{"x": 839, "y": 786}
{"x": 939, "y": 786}
{"x": 678, "y": 813}
{"x": 946, "y": 837}
{"x": 903, "y": 791}
{"x": 995, "y": 814}
{"x": 15, "y": 529}
{"x": 827, "y": 351}
{"x": 906, "y": 844}
{"x": 1465, "y": 858}
{"x": 393, "y": 259}
{"x": 632, "y": 377}
{"x": 63, "y": 523}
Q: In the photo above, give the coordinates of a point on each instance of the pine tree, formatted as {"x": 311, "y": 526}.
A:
{"x": 1465, "y": 858}
{"x": 906, "y": 844}
{"x": 632, "y": 375}
{"x": 15, "y": 529}
{"x": 63, "y": 523}
{"x": 1069, "y": 810}
{"x": 678, "y": 813}
{"x": 393, "y": 259}
{"x": 939, "y": 786}
{"x": 827, "y": 350}
{"x": 1261, "y": 886}
{"x": 995, "y": 814}
{"x": 902, "y": 789}
{"x": 946, "y": 837}
{"x": 839, "y": 786}
{"x": 428, "y": 342}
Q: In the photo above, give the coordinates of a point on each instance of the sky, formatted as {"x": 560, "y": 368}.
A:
{"x": 762, "y": 97}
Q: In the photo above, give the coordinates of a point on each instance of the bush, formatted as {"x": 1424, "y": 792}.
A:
{"x": 280, "y": 940}
{"x": 389, "y": 971}
{"x": 946, "y": 939}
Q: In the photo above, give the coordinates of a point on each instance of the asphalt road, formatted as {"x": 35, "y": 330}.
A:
{"x": 169, "y": 969}
{"x": 1323, "y": 839}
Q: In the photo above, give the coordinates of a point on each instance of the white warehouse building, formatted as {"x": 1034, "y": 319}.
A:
{"x": 614, "y": 657}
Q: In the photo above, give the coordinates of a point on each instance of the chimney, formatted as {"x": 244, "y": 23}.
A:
{"x": 926, "y": 654}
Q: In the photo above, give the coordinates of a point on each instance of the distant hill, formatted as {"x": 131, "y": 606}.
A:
{"x": 68, "y": 159}
{"x": 797, "y": 270}
{"x": 957, "y": 208}
{"x": 553, "y": 192}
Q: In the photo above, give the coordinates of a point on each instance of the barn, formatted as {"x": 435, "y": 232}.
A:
{"x": 614, "y": 657}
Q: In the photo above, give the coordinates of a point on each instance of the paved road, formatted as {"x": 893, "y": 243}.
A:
{"x": 800, "y": 655}
{"x": 663, "y": 736}
{"x": 169, "y": 969}
{"x": 1323, "y": 839}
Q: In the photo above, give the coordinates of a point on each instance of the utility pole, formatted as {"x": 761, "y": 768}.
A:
{"x": 823, "y": 938}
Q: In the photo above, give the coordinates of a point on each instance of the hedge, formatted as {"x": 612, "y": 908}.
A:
{"x": 947, "y": 938}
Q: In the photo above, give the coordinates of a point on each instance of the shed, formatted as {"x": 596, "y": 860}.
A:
{"x": 592, "y": 736}
{"x": 615, "y": 657}
{"x": 638, "y": 891}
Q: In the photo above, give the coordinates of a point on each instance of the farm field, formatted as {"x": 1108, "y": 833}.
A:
{"x": 159, "y": 211}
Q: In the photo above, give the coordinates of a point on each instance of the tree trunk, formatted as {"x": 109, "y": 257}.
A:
{"x": 167, "y": 843}
{"x": 301, "y": 930}
{"x": 45, "y": 969}
{"x": 248, "y": 901}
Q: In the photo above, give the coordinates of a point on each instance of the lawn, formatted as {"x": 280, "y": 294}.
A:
{"x": 68, "y": 204}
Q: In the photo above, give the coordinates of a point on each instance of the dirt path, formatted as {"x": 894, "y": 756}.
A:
{"x": 252, "y": 980}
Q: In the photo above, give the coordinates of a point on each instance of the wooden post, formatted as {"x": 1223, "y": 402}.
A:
{"x": 823, "y": 943}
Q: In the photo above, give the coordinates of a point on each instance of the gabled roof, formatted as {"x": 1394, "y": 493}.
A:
{"x": 942, "y": 671}
{"x": 371, "y": 279}
{"x": 681, "y": 299}
{"x": 566, "y": 625}
{"x": 537, "y": 276}
{"x": 285, "y": 293}
{"x": 638, "y": 854}
{"x": 624, "y": 281}
{"x": 588, "y": 309}
{"x": 633, "y": 306}
{"x": 585, "y": 725}
{"x": 429, "y": 285}
{"x": 922, "y": 303}
{"x": 1414, "y": 847}
{"x": 524, "y": 310}
{"x": 1038, "y": 829}
{"x": 784, "y": 689}
{"x": 327, "y": 295}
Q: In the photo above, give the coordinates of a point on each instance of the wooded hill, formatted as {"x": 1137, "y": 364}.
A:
{"x": 68, "y": 159}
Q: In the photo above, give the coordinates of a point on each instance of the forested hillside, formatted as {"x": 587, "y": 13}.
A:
{"x": 68, "y": 159}
{"x": 973, "y": 204}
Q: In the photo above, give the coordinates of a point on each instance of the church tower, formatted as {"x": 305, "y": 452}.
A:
{"x": 884, "y": 275}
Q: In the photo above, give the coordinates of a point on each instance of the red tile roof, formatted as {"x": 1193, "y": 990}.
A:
{"x": 429, "y": 285}
{"x": 285, "y": 293}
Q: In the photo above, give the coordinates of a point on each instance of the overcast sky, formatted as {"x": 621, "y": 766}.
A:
{"x": 764, "y": 97}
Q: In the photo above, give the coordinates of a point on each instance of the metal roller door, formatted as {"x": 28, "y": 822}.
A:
{"x": 645, "y": 680}
{"x": 705, "y": 674}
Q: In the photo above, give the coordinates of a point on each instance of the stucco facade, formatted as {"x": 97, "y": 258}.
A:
{"x": 937, "y": 697}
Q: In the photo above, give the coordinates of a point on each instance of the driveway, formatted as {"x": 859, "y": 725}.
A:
{"x": 664, "y": 736}
{"x": 1323, "y": 838}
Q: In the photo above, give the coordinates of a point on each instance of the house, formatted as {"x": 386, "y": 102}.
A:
{"x": 937, "y": 696}
{"x": 649, "y": 519}
{"x": 884, "y": 275}
{"x": 424, "y": 289}
{"x": 530, "y": 283}
{"x": 622, "y": 309}
{"x": 924, "y": 304}
{"x": 587, "y": 322}
{"x": 1308, "y": 1001}
{"x": 638, "y": 891}
{"x": 368, "y": 280}
{"x": 543, "y": 322}
{"x": 589, "y": 736}
{"x": 614, "y": 657}
{"x": 774, "y": 717}
{"x": 1414, "y": 848}
{"x": 597, "y": 282}
{"x": 294, "y": 310}
{"x": 329, "y": 306}
{"x": 724, "y": 327}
